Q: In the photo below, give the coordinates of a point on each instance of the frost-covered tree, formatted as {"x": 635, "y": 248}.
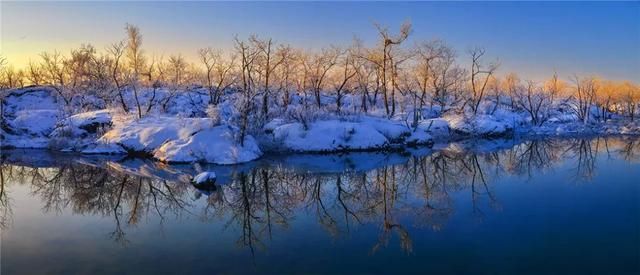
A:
{"x": 218, "y": 74}
{"x": 35, "y": 73}
{"x": 386, "y": 59}
{"x": 367, "y": 78}
{"x": 535, "y": 102}
{"x": 629, "y": 95}
{"x": 248, "y": 71}
{"x": 55, "y": 71}
{"x": 269, "y": 58}
{"x": 424, "y": 75}
{"x": 447, "y": 79}
{"x": 345, "y": 73}
{"x": 584, "y": 94}
{"x": 318, "y": 66}
{"x": 88, "y": 76}
{"x": 494, "y": 88}
{"x": 136, "y": 62}
{"x": 115, "y": 53}
{"x": 605, "y": 97}
{"x": 555, "y": 87}
{"x": 512, "y": 85}
{"x": 480, "y": 75}
{"x": 287, "y": 74}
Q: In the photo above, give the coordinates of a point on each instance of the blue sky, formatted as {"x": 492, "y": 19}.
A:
{"x": 531, "y": 38}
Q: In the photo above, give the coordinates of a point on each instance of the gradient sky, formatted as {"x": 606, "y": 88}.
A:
{"x": 531, "y": 38}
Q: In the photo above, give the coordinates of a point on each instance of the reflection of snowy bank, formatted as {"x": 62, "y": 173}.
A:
{"x": 356, "y": 162}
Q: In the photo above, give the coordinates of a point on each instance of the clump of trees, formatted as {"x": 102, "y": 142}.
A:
{"x": 264, "y": 78}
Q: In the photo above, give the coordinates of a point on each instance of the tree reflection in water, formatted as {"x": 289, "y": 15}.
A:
{"x": 258, "y": 198}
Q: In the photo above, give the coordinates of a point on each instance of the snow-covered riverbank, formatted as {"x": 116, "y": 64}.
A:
{"x": 34, "y": 118}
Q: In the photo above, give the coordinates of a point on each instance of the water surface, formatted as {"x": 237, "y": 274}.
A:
{"x": 497, "y": 206}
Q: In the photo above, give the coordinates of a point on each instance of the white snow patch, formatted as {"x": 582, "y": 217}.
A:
{"x": 148, "y": 134}
{"x": 88, "y": 118}
{"x": 35, "y": 122}
{"x": 436, "y": 127}
{"x": 329, "y": 135}
{"x": 204, "y": 177}
{"x": 479, "y": 125}
{"x": 419, "y": 137}
{"x": 392, "y": 130}
{"x": 215, "y": 145}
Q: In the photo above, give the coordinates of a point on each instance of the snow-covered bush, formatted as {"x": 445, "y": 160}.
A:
{"x": 213, "y": 112}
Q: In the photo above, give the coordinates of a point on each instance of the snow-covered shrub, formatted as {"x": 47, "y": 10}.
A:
{"x": 299, "y": 114}
{"x": 213, "y": 112}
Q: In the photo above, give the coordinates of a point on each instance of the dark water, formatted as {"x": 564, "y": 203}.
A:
{"x": 558, "y": 206}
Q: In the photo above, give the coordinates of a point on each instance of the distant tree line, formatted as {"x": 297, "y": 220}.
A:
{"x": 390, "y": 77}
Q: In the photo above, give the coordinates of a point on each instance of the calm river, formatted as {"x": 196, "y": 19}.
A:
{"x": 494, "y": 206}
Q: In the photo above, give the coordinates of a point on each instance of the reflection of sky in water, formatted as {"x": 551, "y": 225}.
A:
{"x": 579, "y": 211}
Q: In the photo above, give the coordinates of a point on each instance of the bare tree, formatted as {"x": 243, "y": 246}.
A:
{"x": 287, "y": 73}
{"x": 269, "y": 59}
{"x": 347, "y": 73}
{"x": 116, "y": 51}
{"x": 585, "y": 90}
{"x": 630, "y": 98}
{"x": 605, "y": 96}
{"x": 209, "y": 57}
{"x": 555, "y": 87}
{"x": 424, "y": 73}
{"x": 54, "y": 64}
{"x": 11, "y": 78}
{"x": 35, "y": 73}
{"x": 247, "y": 55}
{"x": 480, "y": 75}
{"x": 446, "y": 78}
{"x": 136, "y": 61}
{"x": 536, "y": 102}
{"x": 494, "y": 86}
{"x": 512, "y": 85}
{"x": 385, "y": 62}
{"x": 218, "y": 72}
{"x": 154, "y": 74}
{"x": 318, "y": 66}
{"x": 368, "y": 82}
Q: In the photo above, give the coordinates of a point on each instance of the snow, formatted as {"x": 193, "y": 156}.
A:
{"x": 392, "y": 130}
{"x": 85, "y": 119}
{"x": 31, "y": 98}
{"x": 215, "y": 145}
{"x": 479, "y": 125}
{"x": 34, "y": 122}
{"x": 29, "y": 116}
{"x": 204, "y": 177}
{"x": 329, "y": 136}
{"x": 82, "y": 125}
{"x": 171, "y": 139}
{"x": 31, "y": 112}
{"x": 419, "y": 137}
{"x": 273, "y": 124}
{"x": 436, "y": 127}
{"x": 149, "y": 133}
{"x": 176, "y": 128}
